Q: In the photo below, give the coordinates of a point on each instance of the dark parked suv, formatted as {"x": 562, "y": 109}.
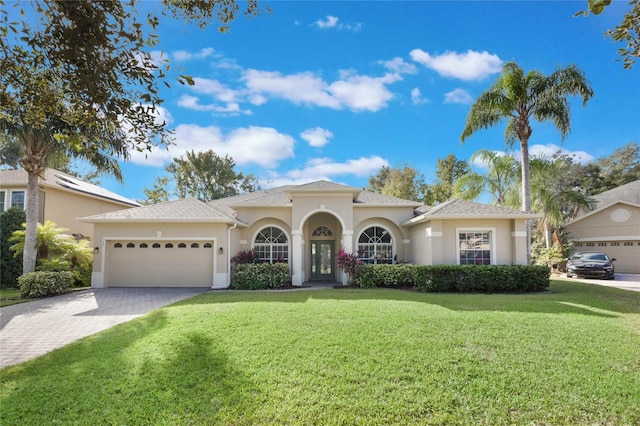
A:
{"x": 590, "y": 265}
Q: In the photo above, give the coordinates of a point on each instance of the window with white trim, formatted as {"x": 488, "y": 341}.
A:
{"x": 17, "y": 199}
{"x": 272, "y": 245}
{"x": 375, "y": 245}
{"x": 475, "y": 247}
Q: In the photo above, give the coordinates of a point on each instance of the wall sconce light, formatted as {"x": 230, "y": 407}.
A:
{"x": 96, "y": 250}
{"x": 220, "y": 250}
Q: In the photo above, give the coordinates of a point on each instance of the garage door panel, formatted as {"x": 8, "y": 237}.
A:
{"x": 165, "y": 264}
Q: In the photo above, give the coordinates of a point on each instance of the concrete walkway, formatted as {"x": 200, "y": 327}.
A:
{"x": 31, "y": 329}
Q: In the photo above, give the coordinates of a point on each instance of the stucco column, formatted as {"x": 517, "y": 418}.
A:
{"x": 296, "y": 258}
{"x": 347, "y": 245}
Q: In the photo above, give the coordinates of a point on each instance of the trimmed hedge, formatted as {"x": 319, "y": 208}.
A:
{"x": 457, "y": 278}
{"x": 260, "y": 276}
{"x": 42, "y": 283}
{"x": 392, "y": 276}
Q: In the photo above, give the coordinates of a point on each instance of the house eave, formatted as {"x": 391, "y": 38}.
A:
{"x": 425, "y": 218}
{"x": 176, "y": 221}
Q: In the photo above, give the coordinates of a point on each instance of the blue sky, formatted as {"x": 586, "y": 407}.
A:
{"x": 336, "y": 90}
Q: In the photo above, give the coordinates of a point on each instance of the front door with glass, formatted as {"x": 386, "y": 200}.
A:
{"x": 322, "y": 261}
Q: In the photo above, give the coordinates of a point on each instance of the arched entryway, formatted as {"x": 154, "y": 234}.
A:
{"x": 322, "y": 257}
{"x": 322, "y": 233}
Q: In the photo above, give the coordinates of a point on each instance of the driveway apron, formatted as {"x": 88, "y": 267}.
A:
{"x": 31, "y": 329}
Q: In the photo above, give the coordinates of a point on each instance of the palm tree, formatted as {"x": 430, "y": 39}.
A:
{"x": 40, "y": 142}
{"x": 499, "y": 180}
{"x": 553, "y": 196}
{"x": 519, "y": 98}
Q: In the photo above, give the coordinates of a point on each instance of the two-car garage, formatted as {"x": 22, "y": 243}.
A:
{"x": 159, "y": 263}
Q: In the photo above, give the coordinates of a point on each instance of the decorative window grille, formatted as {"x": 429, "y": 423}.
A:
{"x": 375, "y": 245}
{"x": 271, "y": 245}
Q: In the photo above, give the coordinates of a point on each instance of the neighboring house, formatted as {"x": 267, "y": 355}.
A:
{"x": 62, "y": 198}
{"x": 612, "y": 227}
{"x": 190, "y": 243}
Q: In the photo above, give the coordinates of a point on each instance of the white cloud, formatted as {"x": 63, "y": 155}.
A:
{"x": 547, "y": 150}
{"x": 400, "y": 66}
{"x": 230, "y": 98}
{"x": 550, "y": 149}
{"x": 193, "y": 103}
{"x": 458, "y": 96}
{"x": 183, "y": 55}
{"x": 317, "y": 137}
{"x": 352, "y": 91}
{"x": 467, "y": 66}
{"x": 333, "y": 22}
{"x": 214, "y": 88}
{"x": 330, "y": 22}
{"x": 416, "y": 97}
{"x": 302, "y": 88}
{"x": 263, "y": 146}
{"x": 324, "y": 168}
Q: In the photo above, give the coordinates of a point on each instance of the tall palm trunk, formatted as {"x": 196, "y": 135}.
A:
{"x": 36, "y": 149}
{"x": 524, "y": 132}
{"x": 31, "y": 231}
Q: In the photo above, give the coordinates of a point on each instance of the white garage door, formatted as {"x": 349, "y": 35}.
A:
{"x": 160, "y": 263}
{"x": 627, "y": 255}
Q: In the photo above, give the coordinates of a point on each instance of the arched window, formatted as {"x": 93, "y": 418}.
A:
{"x": 207, "y": 245}
{"x": 271, "y": 245}
{"x": 195, "y": 245}
{"x": 182, "y": 245}
{"x": 375, "y": 245}
{"x": 168, "y": 245}
{"x": 322, "y": 231}
{"x": 143, "y": 245}
{"x": 117, "y": 245}
{"x": 156, "y": 245}
{"x": 130, "y": 245}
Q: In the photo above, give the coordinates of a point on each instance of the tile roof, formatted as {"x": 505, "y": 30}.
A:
{"x": 456, "y": 208}
{"x": 224, "y": 210}
{"x": 183, "y": 210}
{"x": 57, "y": 179}
{"x": 280, "y": 196}
{"x": 629, "y": 193}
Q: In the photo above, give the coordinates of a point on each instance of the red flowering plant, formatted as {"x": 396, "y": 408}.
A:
{"x": 350, "y": 264}
{"x": 245, "y": 256}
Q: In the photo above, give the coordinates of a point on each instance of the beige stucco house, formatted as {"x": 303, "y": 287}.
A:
{"x": 612, "y": 227}
{"x": 62, "y": 198}
{"x": 190, "y": 243}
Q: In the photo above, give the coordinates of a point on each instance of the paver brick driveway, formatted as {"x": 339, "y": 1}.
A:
{"x": 31, "y": 329}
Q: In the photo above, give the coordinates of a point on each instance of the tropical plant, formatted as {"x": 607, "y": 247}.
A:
{"x": 57, "y": 250}
{"x": 350, "y": 264}
{"x": 519, "y": 98}
{"x": 245, "y": 257}
{"x": 554, "y": 196}
{"x": 499, "y": 180}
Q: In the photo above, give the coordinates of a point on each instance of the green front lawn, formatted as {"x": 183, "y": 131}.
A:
{"x": 10, "y": 296}
{"x": 348, "y": 356}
